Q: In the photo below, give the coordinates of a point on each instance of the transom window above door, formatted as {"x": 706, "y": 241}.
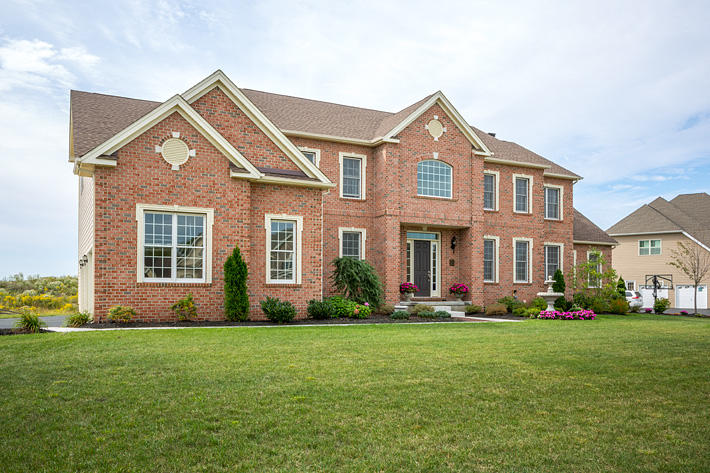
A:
{"x": 434, "y": 179}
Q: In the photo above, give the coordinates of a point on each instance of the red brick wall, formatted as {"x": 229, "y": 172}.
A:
{"x": 142, "y": 176}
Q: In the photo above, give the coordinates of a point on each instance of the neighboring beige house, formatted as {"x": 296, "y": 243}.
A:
{"x": 647, "y": 238}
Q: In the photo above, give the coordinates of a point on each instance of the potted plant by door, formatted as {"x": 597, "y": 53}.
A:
{"x": 458, "y": 290}
{"x": 407, "y": 289}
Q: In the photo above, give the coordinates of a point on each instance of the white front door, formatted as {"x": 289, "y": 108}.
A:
{"x": 684, "y": 296}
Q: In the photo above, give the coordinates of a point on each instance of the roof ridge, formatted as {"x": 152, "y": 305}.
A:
{"x": 114, "y": 95}
{"x": 666, "y": 216}
{"x": 320, "y": 101}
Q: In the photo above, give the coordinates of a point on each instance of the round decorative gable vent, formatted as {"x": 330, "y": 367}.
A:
{"x": 175, "y": 152}
{"x": 435, "y": 128}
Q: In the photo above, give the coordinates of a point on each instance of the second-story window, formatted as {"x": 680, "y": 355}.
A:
{"x": 434, "y": 179}
{"x": 489, "y": 191}
{"x": 352, "y": 177}
{"x": 552, "y": 203}
{"x": 522, "y": 194}
{"x": 311, "y": 154}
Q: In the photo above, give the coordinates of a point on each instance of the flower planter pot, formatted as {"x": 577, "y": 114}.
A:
{"x": 407, "y": 296}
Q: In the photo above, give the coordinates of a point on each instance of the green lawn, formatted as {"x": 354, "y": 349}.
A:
{"x": 626, "y": 394}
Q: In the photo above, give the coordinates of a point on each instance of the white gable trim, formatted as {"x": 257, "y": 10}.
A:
{"x": 440, "y": 99}
{"x": 175, "y": 104}
{"x": 219, "y": 79}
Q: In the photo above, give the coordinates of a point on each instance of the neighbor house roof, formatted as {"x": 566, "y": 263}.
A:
{"x": 97, "y": 117}
{"x": 689, "y": 213}
{"x": 586, "y": 231}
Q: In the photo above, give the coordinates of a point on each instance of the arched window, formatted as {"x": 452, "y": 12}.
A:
{"x": 434, "y": 179}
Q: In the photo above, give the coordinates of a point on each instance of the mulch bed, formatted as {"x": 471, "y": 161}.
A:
{"x": 18, "y": 331}
{"x": 375, "y": 319}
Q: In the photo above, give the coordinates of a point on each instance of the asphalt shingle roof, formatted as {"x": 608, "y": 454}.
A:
{"x": 586, "y": 230}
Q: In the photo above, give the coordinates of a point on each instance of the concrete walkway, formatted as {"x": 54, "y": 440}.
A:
{"x": 51, "y": 321}
{"x": 88, "y": 329}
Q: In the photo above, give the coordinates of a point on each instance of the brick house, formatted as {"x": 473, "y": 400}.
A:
{"x": 166, "y": 190}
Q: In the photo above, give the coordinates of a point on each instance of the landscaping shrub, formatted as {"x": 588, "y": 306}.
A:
{"x": 598, "y": 305}
{"x": 581, "y": 300}
{"x": 539, "y": 303}
{"x": 77, "y": 320}
{"x": 520, "y": 311}
{"x": 683, "y": 312}
{"x": 533, "y": 312}
{"x": 121, "y": 314}
{"x": 421, "y": 308}
{"x": 320, "y": 310}
{"x": 400, "y": 314}
{"x": 621, "y": 287}
{"x": 496, "y": 309}
{"x": 236, "y": 299}
{"x": 561, "y": 304}
{"x": 357, "y": 280}
{"x": 510, "y": 303}
{"x": 185, "y": 308}
{"x": 426, "y": 314}
{"x": 472, "y": 309}
{"x": 634, "y": 309}
{"x": 361, "y": 311}
{"x": 661, "y": 305}
{"x": 648, "y": 310}
{"x": 619, "y": 306}
{"x": 559, "y": 285}
{"x": 385, "y": 309}
{"x": 278, "y": 311}
{"x": 442, "y": 314}
{"x": 560, "y": 315}
{"x": 341, "y": 306}
{"x": 29, "y": 321}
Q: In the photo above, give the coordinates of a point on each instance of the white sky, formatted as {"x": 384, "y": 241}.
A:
{"x": 618, "y": 92}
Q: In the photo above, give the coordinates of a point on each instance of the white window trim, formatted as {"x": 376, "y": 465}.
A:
{"x": 660, "y": 246}
{"x": 599, "y": 268}
{"x": 562, "y": 253}
{"x": 315, "y": 151}
{"x": 298, "y": 219}
{"x": 530, "y": 253}
{"x": 631, "y": 281}
{"x": 363, "y": 174}
{"x": 363, "y": 239}
{"x": 497, "y": 193}
{"x": 561, "y": 206}
{"x": 141, "y": 209}
{"x": 496, "y": 261}
{"x": 530, "y": 192}
{"x": 451, "y": 196}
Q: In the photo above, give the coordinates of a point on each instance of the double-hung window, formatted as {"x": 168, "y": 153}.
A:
{"x": 490, "y": 259}
{"x": 352, "y": 176}
{"x": 553, "y": 258}
{"x": 595, "y": 268}
{"x": 434, "y": 179}
{"x": 522, "y": 260}
{"x": 283, "y": 245}
{"x": 352, "y": 242}
{"x": 649, "y": 247}
{"x": 553, "y": 203}
{"x": 174, "y": 245}
{"x": 490, "y": 191}
{"x": 521, "y": 193}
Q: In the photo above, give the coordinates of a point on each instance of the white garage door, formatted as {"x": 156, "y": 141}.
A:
{"x": 684, "y": 296}
{"x": 647, "y": 296}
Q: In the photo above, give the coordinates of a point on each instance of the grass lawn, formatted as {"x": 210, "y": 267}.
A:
{"x": 626, "y": 394}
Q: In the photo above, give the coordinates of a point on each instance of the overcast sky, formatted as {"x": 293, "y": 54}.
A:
{"x": 618, "y": 92}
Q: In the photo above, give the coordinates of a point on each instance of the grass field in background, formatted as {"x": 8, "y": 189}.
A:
{"x": 626, "y": 394}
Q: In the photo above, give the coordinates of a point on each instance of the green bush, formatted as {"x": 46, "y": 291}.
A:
{"x": 400, "y": 314}
{"x": 361, "y": 311}
{"x": 426, "y": 314}
{"x": 185, "y": 308}
{"x": 421, "y": 308}
{"x": 278, "y": 311}
{"x": 473, "y": 309}
{"x": 619, "y": 306}
{"x": 77, "y": 320}
{"x": 510, "y": 303}
{"x": 121, "y": 314}
{"x": 357, "y": 280}
{"x": 559, "y": 285}
{"x": 538, "y": 303}
{"x": 341, "y": 307}
{"x": 236, "y": 299}
{"x": 621, "y": 287}
{"x": 385, "y": 309}
{"x": 581, "y": 300}
{"x": 520, "y": 311}
{"x": 661, "y": 305}
{"x": 320, "y": 310}
{"x": 29, "y": 321}
{"x": 598, "y": 305}
{"x": 533, "y": 312}
{"x": 562, "y": 304}
{"x": 634, "y": 309}
{"x": 496, "y": 309}
{"x": 442, "y": 314}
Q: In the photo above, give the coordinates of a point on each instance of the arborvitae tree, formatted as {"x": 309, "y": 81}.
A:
{"x": 621, "y": 287}
{"x": 236, "y": 299}
{"x": 559, "y": 285}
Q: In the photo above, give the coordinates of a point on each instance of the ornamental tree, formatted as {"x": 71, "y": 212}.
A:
{"x": 694, "y": 261}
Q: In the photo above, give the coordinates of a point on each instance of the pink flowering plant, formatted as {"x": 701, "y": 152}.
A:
{"x": 570, "y": 315}
{"x": 459, "y": 289}
{"x": 408, "y": 287}
{"x": 361, "y": 311}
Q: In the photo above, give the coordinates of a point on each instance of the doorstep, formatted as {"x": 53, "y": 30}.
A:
{"x": 449, "y": 306}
